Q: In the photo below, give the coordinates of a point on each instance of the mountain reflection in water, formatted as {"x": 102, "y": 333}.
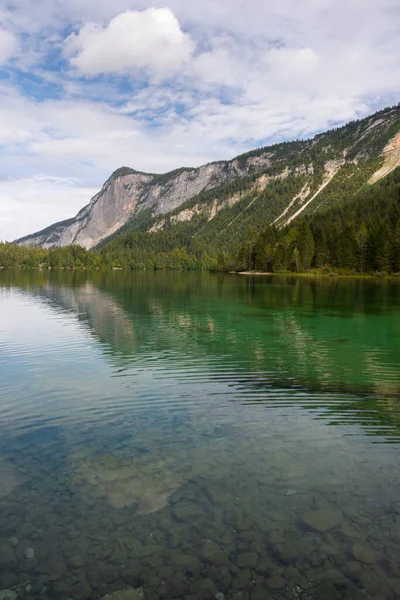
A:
{"x": 194, "y": 434}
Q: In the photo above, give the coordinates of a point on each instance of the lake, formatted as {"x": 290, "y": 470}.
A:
{"x": 199, "y": 436}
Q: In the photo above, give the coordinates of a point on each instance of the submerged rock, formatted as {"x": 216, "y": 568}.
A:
{"x": 364, "y": 554}
{"x": 276, "y": 581}
{"x": 6, "y": 552}
{"x": 187, "y": 512}
{"x": 127, "y": 594}
{"x": 145, "y": 482}
{"x": 321, "y": 520}
{"x": 8, "y": 580}
{"x": 203, "y": 588}
{"x": 29, "y": 553}
{"x": 8, "y": 478}
{"x": 8, "y": 595}
{"x": 247, "y": 560}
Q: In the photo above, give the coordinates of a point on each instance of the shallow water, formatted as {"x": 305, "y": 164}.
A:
{"x": 197, "y": 434}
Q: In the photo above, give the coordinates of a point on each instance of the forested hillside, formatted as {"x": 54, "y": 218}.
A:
{"x": 360, "y": 234}
{"x": 331, "y": 202}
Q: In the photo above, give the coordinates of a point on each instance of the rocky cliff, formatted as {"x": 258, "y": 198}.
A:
{"x": 274, "y": 184}
{"x": 127, "y": 192}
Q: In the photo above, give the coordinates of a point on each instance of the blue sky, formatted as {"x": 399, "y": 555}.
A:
{"x": 87, "y": 86}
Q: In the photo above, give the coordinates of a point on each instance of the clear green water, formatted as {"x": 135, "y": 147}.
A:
{"x": 199, "y": 434}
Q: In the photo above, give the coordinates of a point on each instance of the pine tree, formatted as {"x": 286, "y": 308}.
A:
{"x": 306, "y": 245}
{"x": 383, "y": 250}
{"x": 278, "y": 261}
{"x": 362, "y": 247}
{"x": 396, "y": 248}
{"x": 295, "y": 263}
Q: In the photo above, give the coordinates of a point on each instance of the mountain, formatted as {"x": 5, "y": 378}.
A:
{"x": 219, "y": 201}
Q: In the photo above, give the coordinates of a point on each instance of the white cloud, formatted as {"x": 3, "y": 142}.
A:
{"x": 30, "y": 204}
{"x": 133, "y": 40}
{"x": 293, "y": 62}
{"x": 8, "y": 45}
{"x": 224, "y": 77}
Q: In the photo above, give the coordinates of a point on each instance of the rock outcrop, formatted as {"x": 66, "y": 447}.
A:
{"x": 125, "y": 195}
{"x": 308, "y": 169}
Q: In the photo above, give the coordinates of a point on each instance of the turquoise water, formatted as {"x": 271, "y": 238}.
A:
{"x": 195, "y": 434}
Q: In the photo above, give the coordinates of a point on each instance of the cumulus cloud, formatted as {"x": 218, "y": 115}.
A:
{"x": 8, "y": 45}
{"x": 133, "y": 40}
{"x": 292, "y": 62}
{"x": 30, "y": 204}
{"x": 179, "y": 83}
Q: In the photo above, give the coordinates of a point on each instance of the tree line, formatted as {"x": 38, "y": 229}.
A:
{"x": 361, "y": 236}
{"x": 356, "y": 235}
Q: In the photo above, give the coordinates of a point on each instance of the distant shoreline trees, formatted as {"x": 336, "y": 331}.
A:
{"x": 359, "y": 235}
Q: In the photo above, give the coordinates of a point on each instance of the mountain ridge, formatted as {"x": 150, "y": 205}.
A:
{"x": 274, "y": 184}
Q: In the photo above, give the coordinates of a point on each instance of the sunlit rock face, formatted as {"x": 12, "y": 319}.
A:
{"x": 123, "y": 196}
{"x": 311, "y": 168}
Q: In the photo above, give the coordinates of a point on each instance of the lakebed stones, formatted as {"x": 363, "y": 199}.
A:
{"x": 126, "y": 594}
{"x": 321, "y": 520}
{"x": 76, "y": 561}
{"x": 29, "y": 553}
{"x": 7, "y": 555}
{"x": 364, "y": 554}
{"x": 8, "y": 580}
{"x": 52, "y": 567}
{"x": 145, "y": 482}
{"x": 103, "y": 573}
{"x": 187, "y": 563}
{"x": 213, "y": 554}
{"x": 8, "y": 595}
{"x": 276, "y": 582}
{"x": 203, "y": 589}
{"x": 187, "y": 512}
{"x": 247, "y": 560}
{"x": 8, "y": 478}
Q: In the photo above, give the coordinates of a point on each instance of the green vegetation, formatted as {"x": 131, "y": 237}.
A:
{"x": 13, "y": 256}
{"x": 167, "y": 177}
{"x": 350, "y": 227}
{"x": 355, "y": 235}
{"x": 360, "y": 236}
{"x": 122, "y": 171}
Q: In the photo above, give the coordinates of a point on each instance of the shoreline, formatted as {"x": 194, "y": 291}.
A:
{"x": 251, "y": 273}
{"x": 331, "y": 275}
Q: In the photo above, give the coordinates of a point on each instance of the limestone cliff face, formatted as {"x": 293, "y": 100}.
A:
{"x": 106, "y": 212}
{"x": 125, "y": 195}
{"x": 312, "y": 171}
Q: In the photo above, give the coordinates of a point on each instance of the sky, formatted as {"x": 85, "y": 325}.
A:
{"x": 87, "y": 86}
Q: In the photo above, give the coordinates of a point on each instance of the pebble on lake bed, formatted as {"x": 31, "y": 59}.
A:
{"x": 8, "y": 478}
{"x": 321, "y": 520}
{"x": 127, "y": 594}
{"x": 145, "y": 482}
{"x": 8, "y": 595}
{"x": 364, "y": 554}
{"x": 29, "y": 553}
